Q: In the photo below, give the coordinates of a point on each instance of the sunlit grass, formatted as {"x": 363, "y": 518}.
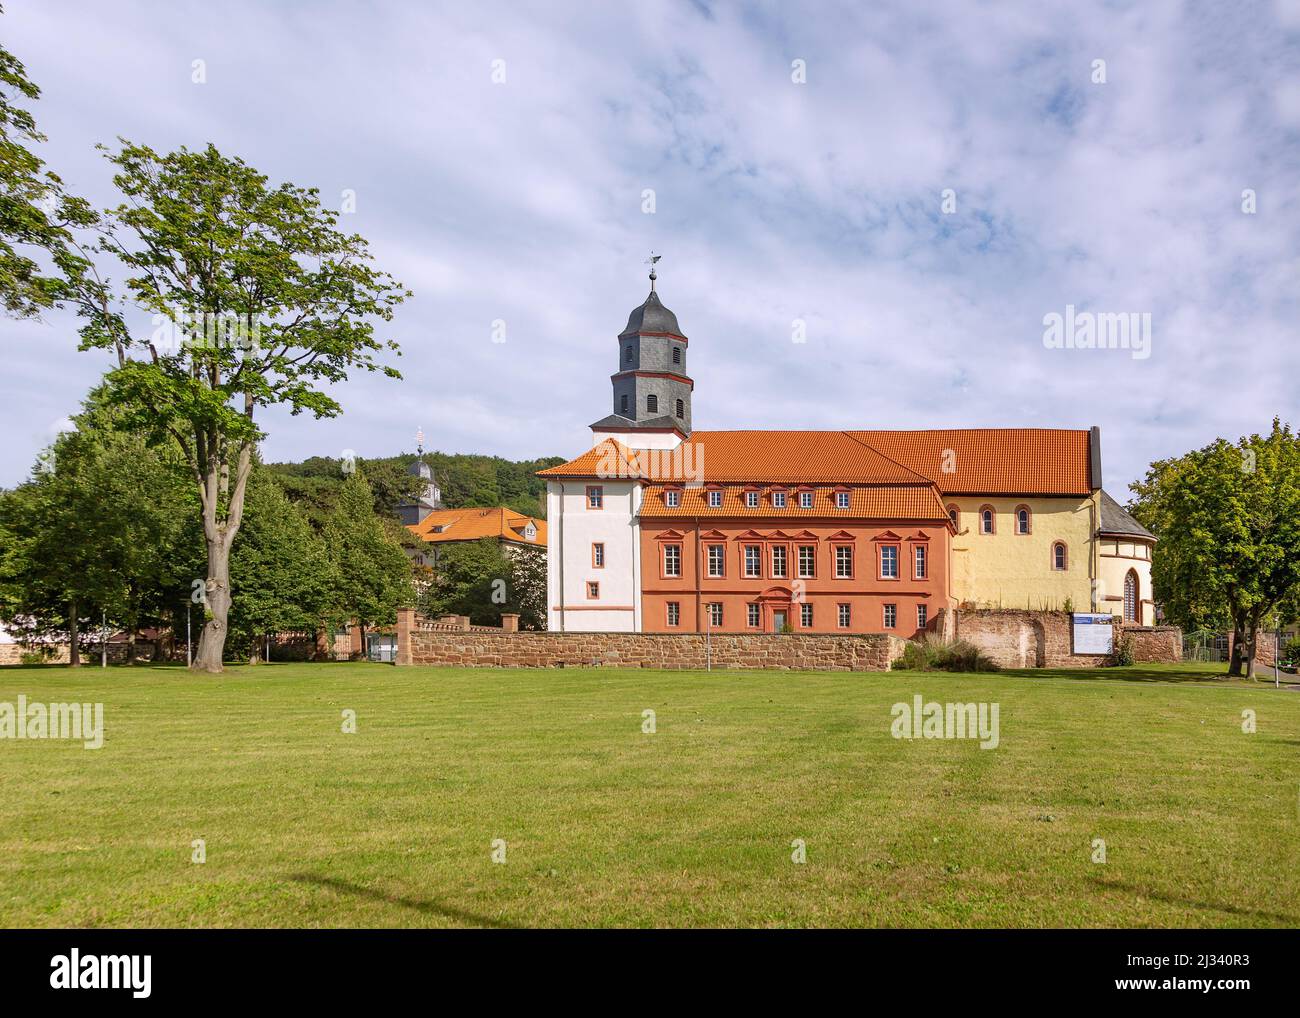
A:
{"x": 692, "y": 825}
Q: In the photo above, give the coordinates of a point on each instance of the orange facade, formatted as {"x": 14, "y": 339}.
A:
{"x": 816, "y": 576}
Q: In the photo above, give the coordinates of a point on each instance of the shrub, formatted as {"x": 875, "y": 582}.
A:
{"x": 1123, "y": 655}
{"x": 1291, "y": 654}
{"x": 934, "y": 654}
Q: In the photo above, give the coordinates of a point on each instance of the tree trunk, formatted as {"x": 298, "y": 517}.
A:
{"x": 1250, "y": 651}
{"x": 212, "y": 639}
{"x": 74, "y": 652}
{"x": 1236, "y": 661}
{"x": 130, "y": 647}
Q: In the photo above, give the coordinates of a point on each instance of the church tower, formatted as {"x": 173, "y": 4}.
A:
{"x": 652, "y": 391}
{"x": 430, "y": 497}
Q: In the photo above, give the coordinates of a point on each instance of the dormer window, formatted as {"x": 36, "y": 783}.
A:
{"x": 652, "y": 404}
{"x": 751, "y": 500}
{"x": 778, "y": 499}
{"x": 715, "y": 499}
{"x": 841, "y": 500}
{"x": 672, "y": 498}
{"x": 805, "y": 499}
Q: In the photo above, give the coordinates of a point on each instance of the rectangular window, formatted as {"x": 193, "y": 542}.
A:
{"x": 751, "y": 500}
{"x": 752, "y": 609}
{"x": 922, "y": 615}
{"x": 715, "y": 614}
{"x": 598, "y": 555}
{"x": 778, "y": 560}
{"x": 595, "y": 496}
{"x": 681, "y": 409}
{"x": 672, "y": 560}
{"x": 805, "y": 499}
{"x": 593, "y": 589}
{"x": 844, "y": 561}
{"x": 673, "y": 498}
{"x": 674, "y": 613}
{"x": 778, "y": 499}
{"x": 717, "y": 554}
{"x": 677, "y": 355}
{"x": 622, "y": 403}
{"x": 841, "y": 500}
{"x": 891, "y": 616}
{"x": 846, "y": 615}
{"x": 652, "y": 404}
{"x": 753, "y": 560}
{"x": 807, "y": 561}
{"x": 889, "y": 561}
{"x": 715, "y": 499}
{"x": 805, "y": 615}
{"x": 920, "y": 561}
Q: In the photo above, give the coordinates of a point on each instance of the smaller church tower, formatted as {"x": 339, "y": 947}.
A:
{"x": 430, "y": 498}
{"x": 651, "y": 389}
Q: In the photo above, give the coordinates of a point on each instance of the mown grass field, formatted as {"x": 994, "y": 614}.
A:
{"x": 604, "y": 825}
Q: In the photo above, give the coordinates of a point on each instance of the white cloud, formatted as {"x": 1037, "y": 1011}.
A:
{"x": 522, "y": 202}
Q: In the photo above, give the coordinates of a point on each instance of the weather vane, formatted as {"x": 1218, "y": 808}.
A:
{"x": 651, "y": 262}
{"x": 419, "y": 441}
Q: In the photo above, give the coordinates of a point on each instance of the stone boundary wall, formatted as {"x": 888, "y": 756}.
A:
{"x": 420, "y": 644}
{"x": 1017, "y": 638}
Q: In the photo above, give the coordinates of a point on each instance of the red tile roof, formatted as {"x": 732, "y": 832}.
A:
{"x": 443, "y": 525}
{"x": 1022, "y": 461}
{"x": 992, "y": 461}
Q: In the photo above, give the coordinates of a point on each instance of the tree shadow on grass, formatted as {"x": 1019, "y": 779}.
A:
{"x": 1134, "y": 673}
{"x": 418, "y": 904}
{"x": 1169, "y": 899}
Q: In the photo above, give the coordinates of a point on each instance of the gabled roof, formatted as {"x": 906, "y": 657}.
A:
{"x": 446, "y": 525}
{"x": 984, "y": 461}
{"x": 993, "y": 461}
{"x": 1116, "y": 521}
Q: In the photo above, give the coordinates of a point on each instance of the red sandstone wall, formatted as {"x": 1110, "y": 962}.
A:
{"x": 1031, "y": 639}
{"x": 651, "y": 650}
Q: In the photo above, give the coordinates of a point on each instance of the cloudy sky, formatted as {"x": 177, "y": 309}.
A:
{"x": 775, "y": 199}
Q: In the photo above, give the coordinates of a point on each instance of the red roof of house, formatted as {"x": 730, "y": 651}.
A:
{"x": 1022, "y": 461}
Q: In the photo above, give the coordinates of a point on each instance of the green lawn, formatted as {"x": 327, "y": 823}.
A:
{"x": 605, "y": 825}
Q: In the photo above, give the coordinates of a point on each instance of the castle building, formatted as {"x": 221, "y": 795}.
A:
{"x": 660, "y": 528}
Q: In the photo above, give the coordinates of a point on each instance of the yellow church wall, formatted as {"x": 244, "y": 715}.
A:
{"x": 1012, "y": 570}
{"x": 1117, "y": 556}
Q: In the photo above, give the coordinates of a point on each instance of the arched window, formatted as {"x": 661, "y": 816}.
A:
{"x": 988, "y": 520}
{"x": 1131, "y": 597}
{"x": 677, "y": 355}
{"x": 952, "y": 514}
{"x": 681, "y": 409}
{"x": 1023, "y": 519}
{"x": 652, "y": 404}
{"x": 1060, "y": 558}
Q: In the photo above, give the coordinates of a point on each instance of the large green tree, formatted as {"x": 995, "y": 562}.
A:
{"x": 98, "y": 531}
{"x": 281, "y": 577}
{"x": 483, "y": 579}
{"x": 372, "y": 573}
{"x": 1228, "y": 519}
{"x": 38, "y": 255}
{"x": 257, "y": 299}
